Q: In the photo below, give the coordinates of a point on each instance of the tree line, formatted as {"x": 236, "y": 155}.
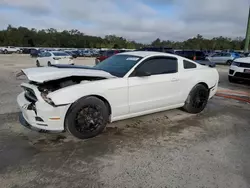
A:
{"x": 25, "y": 37}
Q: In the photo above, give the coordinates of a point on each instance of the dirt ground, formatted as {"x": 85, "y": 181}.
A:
{"x": 167, "y": 149}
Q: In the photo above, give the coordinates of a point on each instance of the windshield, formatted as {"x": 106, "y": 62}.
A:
{"x": 118, "y": 65}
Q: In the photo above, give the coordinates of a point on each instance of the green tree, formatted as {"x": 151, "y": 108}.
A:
{"x": 22, "y": 36}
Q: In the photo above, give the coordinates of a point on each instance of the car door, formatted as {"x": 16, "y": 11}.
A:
{"x": 216, "y": 58}
{"x": 225, "y": 57}
{"x": 161, "y": 88}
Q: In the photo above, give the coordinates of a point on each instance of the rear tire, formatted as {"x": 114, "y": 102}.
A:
{"x": 87, "y": 118}
{"x": 197, "y": 99}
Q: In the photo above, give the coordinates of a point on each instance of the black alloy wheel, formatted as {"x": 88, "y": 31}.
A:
{"x": 200, "y": 99}
{"x": 88, "y": 119}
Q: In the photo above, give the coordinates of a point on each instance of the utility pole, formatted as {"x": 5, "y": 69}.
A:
{"x": 247, "y": 39}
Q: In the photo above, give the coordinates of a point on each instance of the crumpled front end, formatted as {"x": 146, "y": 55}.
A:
{"x": 38, "y": 113}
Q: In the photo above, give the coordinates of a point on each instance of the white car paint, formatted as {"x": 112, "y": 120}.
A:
{"x": 221, "y": 58}
{"x": 240, "y": 69}
{"x": 10, "y": 49}
{"x": 45, "y": 74}
{"x": 50, "y": 57}
{"x": 127, "y": 96}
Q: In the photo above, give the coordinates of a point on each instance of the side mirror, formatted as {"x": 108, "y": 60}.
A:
{"x": 142, "y": 73}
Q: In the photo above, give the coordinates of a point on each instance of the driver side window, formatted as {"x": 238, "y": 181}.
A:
{"x": 159, "y": 65}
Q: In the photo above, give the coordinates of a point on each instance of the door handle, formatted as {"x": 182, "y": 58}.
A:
{"x": 174, "y": 79}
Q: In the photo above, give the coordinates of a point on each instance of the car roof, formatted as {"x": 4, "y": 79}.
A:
{"x": 147, "y": 53}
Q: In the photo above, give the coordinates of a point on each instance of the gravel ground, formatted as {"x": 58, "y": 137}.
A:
{"x": 167, "y": 149}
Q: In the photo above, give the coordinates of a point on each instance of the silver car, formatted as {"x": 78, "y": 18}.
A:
{"x": 223, "y": 58}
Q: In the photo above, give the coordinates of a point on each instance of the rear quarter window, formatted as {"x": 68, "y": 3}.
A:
{"x": 189, "y": 65}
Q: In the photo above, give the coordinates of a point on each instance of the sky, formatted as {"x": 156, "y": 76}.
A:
{"x": 139, "y": 20}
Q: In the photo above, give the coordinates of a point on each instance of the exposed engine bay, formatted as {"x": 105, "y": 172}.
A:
{"x": 54, "y": 85}
{"x": 50, "y": 86}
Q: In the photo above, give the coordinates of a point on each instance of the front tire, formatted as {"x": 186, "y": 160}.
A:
{"x": 87, "y": 118}
{"x": 197, "y": 99}
{"x": 49, "y": 64}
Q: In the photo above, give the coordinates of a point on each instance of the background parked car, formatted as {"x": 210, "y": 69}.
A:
{"x": 86, "y": 53}
{"x": 239, "y": 70}
{"x": 191, "y": 54}
{"x": 105, "y": 54}
{"x": 11, "y": 49}
{"x": 53, "y": 57}
{"x": 35, "y": 52}
{"x": 26, "y": 50}
{"x": 71, "y": 53}
{"x": 223, "y": 57}
{"x": 76, "y": 52}
{"x": 157, "y": 49}
{"x": 95, "y": 53}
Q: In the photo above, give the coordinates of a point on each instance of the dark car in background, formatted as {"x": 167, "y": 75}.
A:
{"x": 76, "y": 52}
{"x": 72, "y": 53}
{"x": 106, "y": 54}
{"x": 35, "y": 52}
{"x": 26, "y": 50}
{"x": 191, "y": 54}
{"x": 85, "y": 53}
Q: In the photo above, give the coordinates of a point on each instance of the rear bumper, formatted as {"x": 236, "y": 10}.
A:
{"x": 64, "y": 62}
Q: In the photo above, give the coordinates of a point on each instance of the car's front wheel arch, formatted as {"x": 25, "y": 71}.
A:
{"x": 106, "y": 102}
{"x": 204, "y": 84}
{"x": 93, "y": 113}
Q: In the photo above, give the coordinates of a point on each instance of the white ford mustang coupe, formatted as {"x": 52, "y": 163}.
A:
{"x": 83, "y": 100}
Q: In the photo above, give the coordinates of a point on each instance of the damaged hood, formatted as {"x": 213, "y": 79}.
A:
{"x": 45, "y": 74}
